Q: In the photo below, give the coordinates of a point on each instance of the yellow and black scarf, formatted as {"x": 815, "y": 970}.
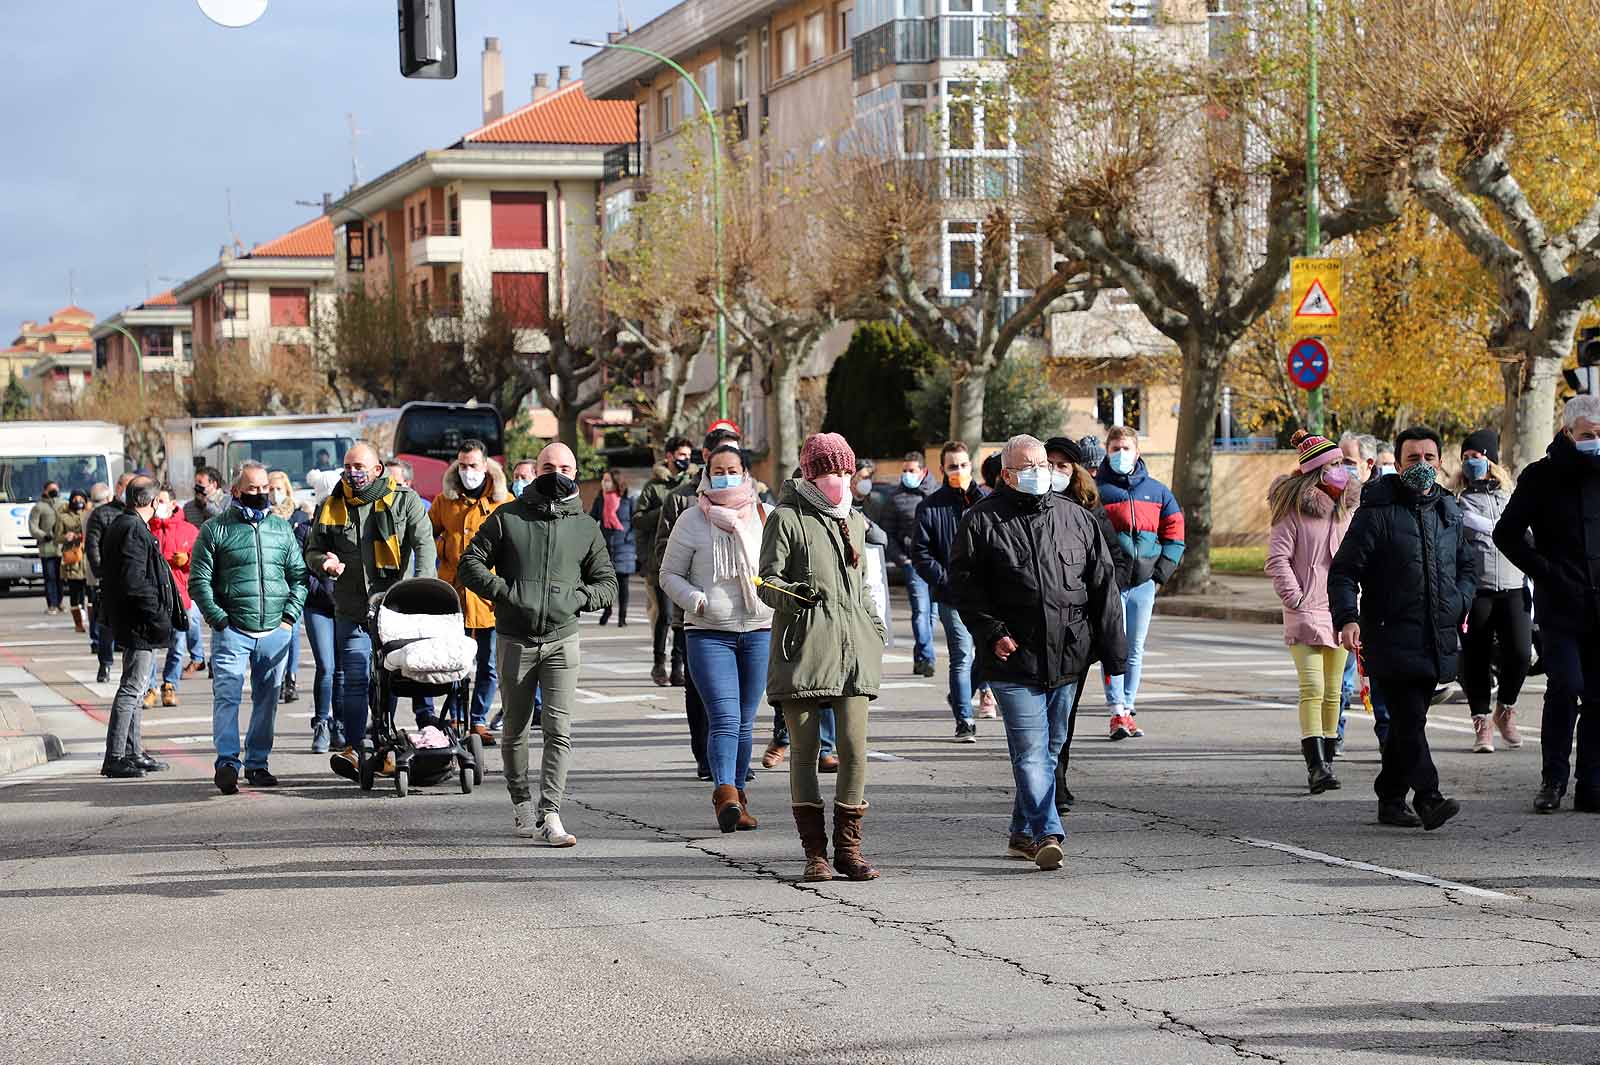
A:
{"x": 386, "y": 539}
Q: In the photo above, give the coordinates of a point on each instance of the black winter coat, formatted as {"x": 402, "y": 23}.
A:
{"x": 900, "y": 519}
{"x": 1557, "y": 499}
{"x": 94, "y": 530}
{"x": 137, "y": 591}
{"x": 938, "y": 517}
{"x": 1409, "y": 562}
{"x": 1038, "y": 569}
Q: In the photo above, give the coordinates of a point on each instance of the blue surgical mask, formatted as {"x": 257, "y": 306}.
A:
{"x": 1587, "y": 447}
{"x": 519, "y": 486}
{"x": 1033, "y": 481}
{"x": 1385, "y": 471}
{"x": 912, "y": 480}
{"x": 1476, "y": 469}
{"x": 719, "y": 481}
{"x": 1124, "y": 462}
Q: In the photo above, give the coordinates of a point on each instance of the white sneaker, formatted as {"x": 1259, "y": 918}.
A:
{"x": 522, "y": 814}
{"x": 554, "y": 834}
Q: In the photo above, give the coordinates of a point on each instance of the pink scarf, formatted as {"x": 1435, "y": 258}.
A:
{"x": 728, "y": 508}
{"x": 609, "y": 519}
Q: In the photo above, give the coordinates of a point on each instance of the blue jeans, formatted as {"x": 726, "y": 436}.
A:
{"x": 1349, "y": 690}
{"x": 1138, "y": 604}
{"x": 921, "y": 618}
{"x": 293, "y": 670}
{"x": 50, "y": 568}
{"x": 328, "y": 684}
{"x": 194, "y": 639}
{"x": 232, "y": 653}
{"x": 959, "y": 643}
{"x": 353, "y": 659}
{"x": 827, "y": 727}
{"x": 731, "y": 669}
{"x": 484, "y": 684}
{"x": 1036, "y": 721}
{"x": 168, "y": 668}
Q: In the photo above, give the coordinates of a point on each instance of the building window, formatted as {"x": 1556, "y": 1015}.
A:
{"x": 186, "y": 344}
{"x": 411, "y": 221}
{"x": 102, "y": 353}
{"x": 841, "y": 20}
{"x": 961, "y": 257}
{"x": 1133, "y": 12}
{"x": 455, "y": 215}
{"x": 664, "y": 111}
{"x": 355, "y": 248}
{"x": 706, "y": 78}
{"x": 156, "y": 342}
{"x": 915, "y": 134}
{"x": 788, "y": 50}
{"x": 739, "y": 73}
{"x": 816, "y": 37}
{"x": 619, "y": 208}
{"x": 455, "y": 293}
{"x": 765, "y": 52}
{"x": 962, "y": 111}
{"x": 525, "y": 298}
{"x": 1116, "y": 405}
{"x": 290, "y": 306}
{"x": 517, "y": 220}
{"x": 233, "y": 300}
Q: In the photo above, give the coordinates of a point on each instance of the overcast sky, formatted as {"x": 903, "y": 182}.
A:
{"x": 129, "y": 122}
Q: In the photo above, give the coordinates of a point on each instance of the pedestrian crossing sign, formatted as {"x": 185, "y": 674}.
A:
{"x": 1314, "y": 295}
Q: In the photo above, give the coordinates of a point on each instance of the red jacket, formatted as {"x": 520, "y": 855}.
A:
{"x": 176, "y": 538}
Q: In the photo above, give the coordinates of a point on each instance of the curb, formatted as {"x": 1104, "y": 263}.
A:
{"x": 1179, "y": 607}
{"x": 22, "y": 744}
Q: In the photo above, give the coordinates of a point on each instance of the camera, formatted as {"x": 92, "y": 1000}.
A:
{"x": 1585, "y": 380}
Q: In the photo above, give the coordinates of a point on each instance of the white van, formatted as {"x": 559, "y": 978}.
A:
{"x": 75, "y": 455}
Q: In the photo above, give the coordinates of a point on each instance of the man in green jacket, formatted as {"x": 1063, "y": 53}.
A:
{"x": 369, "y": 535}
{"x": 249, "y": 582}
{"x": 540, "y": 560}
{"x": 669, "y": 475}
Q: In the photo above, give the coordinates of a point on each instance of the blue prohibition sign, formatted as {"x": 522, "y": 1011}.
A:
{"x": 1309, "y": 363}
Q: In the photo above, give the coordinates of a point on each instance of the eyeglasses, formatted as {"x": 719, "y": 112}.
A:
{"x": 1030, "y": 466}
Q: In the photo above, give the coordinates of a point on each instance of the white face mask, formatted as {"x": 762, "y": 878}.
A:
{"x": 278, "y": 496}
{"x": 471, "y": 478}
{"x": 864, "y": 487}
{"x": 163, "y": 511}
{"x": 1059, "y": 481}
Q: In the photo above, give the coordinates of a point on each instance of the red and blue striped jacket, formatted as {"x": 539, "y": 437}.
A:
{"x": 1147, "y": 518}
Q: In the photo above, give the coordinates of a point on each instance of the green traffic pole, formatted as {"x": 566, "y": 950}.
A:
{"x": 1313, "y": 206}
{"x": 138, "y": 358}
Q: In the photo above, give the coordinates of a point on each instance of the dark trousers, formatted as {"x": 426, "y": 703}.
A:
{"x": 1572, "y": 698}
{"x": 1498, "y": 621}
{"x": 695, "y": 710}
{"x": 1407, "y": 761}
{"x": 51, "y": 569}
{"x": 623, "y": 580}
{"x": 663, "y": 622}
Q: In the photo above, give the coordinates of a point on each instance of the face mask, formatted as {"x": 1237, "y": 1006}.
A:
{"x": 1059, "y": 482}
{"x": 864, "y": 487}
{"x": 1033, "y": 482}
{"x": 832, "y": 488}
{"x": 1475, "y": 469}
{"x": 1385, "y": 471}
{"x": 51, "y": 494}
{"x": 1419, "y": 477}
{"x": 253, "y": 500}
{"x": 681, "y": 465}
{"x": 912, "y": 480}
{"x": 1587, "y": 447}
{"x": 721, "y": 481}
{"x": 199, "y": 491}
{"x": 959, "y": 480}
{"x": 357, "y": 479}
{"x": 472, "y": 480}
{"x": 279, "y": 496}
{"x": 1333, "y": 482}
{"x": 163, "y": 511}
{"x": 519, "y": 486}
{"x": 76, "y": 504}
{"x": 1124, "y": 462}
{"x": 556, "y": 486}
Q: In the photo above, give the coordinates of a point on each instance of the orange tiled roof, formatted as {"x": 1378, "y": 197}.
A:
{"x": 314, "y": 240}
{"x": 165, "y": 299}
{"x": 73, "y": 310}
{"x": 566, "y": 116}
{"x": 60, "y": 326}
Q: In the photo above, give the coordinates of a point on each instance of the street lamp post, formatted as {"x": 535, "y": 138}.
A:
{"x": 138, "y": 356}
{"x": 716, "y": 205}
{"x": 1313, "y": 204}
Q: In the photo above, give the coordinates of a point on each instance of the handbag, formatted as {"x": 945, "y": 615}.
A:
{"x": 72, "y": 556}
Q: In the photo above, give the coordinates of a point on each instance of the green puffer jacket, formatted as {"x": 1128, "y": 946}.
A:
{"x": 247, "y": 575}
{"x": 834, "y": 648}
{"x": 355, "y": 587}
{"x": 540, "y": 563}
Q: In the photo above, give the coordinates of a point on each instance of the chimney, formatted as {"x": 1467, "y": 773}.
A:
{"x": 613, "y": 36}
{"x": 563, "y": 77}
{"x": 494, "y": 81}
{"x": 541, "y": 87}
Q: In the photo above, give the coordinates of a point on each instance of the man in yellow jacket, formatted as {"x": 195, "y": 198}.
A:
{"x": 474, "y": 488}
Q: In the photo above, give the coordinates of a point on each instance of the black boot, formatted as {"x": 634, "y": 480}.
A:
{"x": 1328, "y": 745}
{"x": 1397, "y": 814}
{"x": 1548, "y": 801}
{"x": 1318, "y": 778}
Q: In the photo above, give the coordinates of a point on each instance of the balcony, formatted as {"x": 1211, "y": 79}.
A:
{"x": 436, "y": 244}
{"x": 976, "y": 37}
{"x": 739, "y": 125}
{"x": 621, "y": 162}
{"x": 925, "y": 40}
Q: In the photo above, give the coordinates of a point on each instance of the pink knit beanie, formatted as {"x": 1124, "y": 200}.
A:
{"x": 1315, "y": 451}
{"x": 826, "y": 453}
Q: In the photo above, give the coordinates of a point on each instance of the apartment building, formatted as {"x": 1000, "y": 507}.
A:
{"x": 164, "y": 330}
{"x": 52, "y": 359}
{"x": 903, "y": 77}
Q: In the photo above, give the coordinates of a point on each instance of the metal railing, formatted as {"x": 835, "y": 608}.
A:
{"x": 621, "y": 162}
{"x": 437, "y": 228}
{"x": 901, "y": 41}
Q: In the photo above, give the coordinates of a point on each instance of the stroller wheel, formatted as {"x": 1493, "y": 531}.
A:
{"x": 475, "y": 745}
{"x": 366, "y": 769}
{"x": 402, "y": 782}
{"x": 466, "y": 780}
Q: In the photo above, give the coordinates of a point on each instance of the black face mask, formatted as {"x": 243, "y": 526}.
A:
{"x": 255, "y": 500}
{"x": 53, "y": 493}
{"x": 76, "y": 504}
{"x": 681, "y": 465}
{"x": 555, "y": 486}
{"x": 199, "y": 491}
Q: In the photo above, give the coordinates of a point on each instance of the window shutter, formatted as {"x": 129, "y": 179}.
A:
{"x": 517, "y": 219}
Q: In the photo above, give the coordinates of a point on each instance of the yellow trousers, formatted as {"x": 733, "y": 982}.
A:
{"x": 1321, "y": 677}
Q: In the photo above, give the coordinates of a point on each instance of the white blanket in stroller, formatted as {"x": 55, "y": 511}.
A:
{"x": 439, "y": 650}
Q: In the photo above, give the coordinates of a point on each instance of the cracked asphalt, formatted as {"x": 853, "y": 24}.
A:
{"x": 158, "y": 921}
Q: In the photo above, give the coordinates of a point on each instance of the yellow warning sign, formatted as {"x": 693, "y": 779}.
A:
{"x": 1314, "y": 295}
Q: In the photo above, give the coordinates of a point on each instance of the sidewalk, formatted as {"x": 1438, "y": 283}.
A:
{"x": 1232, "y": 598}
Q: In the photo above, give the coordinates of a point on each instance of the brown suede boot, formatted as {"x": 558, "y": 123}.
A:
{"x": 77, "y": 619}
{"x": 847, "y": 843}
{"x": 813, "y": 829}
{"x": 726, "y": 801}
{"x": 747, "y": 820}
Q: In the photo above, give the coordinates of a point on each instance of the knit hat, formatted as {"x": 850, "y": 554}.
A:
{"x": 1061, "y": 445}
{"x": 1486, "y": 441}
{"x": 1315, "y": 451}
{"x": 826, "y": 453}
{"x": 1094, "y": 452}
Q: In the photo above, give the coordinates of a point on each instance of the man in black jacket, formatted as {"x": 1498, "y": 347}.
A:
{"x": 1557, "y": 500}
{"x": 105, "y": 512}
{"x": 1411, "y": 568}
{"x": 938, "y": 516}
{"x": 900, "y": 524}
{"x": 1036, "y": 583}
{"x": 140, "y": 602}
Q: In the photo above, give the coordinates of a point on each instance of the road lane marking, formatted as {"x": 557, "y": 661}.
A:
{"x": 590, "y": 696}
{"x": 1398, "y": 874}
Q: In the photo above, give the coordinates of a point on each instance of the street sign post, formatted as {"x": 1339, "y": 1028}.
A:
{"x": 1315, "y": 296}
{"x": 1309, "y": 363}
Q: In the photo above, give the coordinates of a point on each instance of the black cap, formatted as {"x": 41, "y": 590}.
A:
{"x": 1486, "y": 441}
{"x": 1065, "y": 447}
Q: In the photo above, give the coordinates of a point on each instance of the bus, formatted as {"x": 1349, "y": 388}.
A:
{"x": 429, "y": 436}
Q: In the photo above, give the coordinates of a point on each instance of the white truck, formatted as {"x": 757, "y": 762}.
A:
{"x": 75, "y": 455}
{"x": 294, "y": 443}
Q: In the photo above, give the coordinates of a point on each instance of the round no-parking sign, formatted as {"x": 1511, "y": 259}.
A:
{"x": 1309, "y": 363}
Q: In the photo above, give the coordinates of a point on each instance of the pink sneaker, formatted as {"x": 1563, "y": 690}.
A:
{"x": 1482, "y": 734}
{"x": 1133, "y": 726}
{"x": 1505, "y": 719}
{"x": 1119, "y": 726}
{"x": 987, "y": 707}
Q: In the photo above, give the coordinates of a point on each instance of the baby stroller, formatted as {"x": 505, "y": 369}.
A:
{"x": 420, "y": 648}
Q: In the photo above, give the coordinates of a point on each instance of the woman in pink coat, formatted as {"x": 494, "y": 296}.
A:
{"x": 1311, "y": 511}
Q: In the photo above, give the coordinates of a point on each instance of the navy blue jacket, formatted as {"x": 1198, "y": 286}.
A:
{"x": 938, "y": 517}
{"x": 620, "y": 543}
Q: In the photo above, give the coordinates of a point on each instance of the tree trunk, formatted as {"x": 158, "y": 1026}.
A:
{"x": 966, "y": 409}
{"x": 1533, "y": 412}
{"x": 783, "y": 412}
{"x": 567, "y": 423}
{"x": 1204, "y": 357}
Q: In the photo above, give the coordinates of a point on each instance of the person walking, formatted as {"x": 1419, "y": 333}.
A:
{"x": 176, "y": 538}
{"x": 709, "y": 571}
{"x": 613, "y": 509}
{"x": 938, "y": 516}
{"x": 900, "y": 524}
{"x": 827, "y": 647}
{"x": 666, "y": 477}
{"x": 44, "y": 526}
{"x": 210, "y": 498}
{"x": 474, "y": 487}
{"x": 1149, "y": 523}
{"x": 1498, "y": 642}
{"x": 74, "y": 568}
{"x": 1311, "y": 510}
{"x": 140, "y": 606}
{"x": 1399, "y": 588}
{"x": 248, "y": 579}
{"x": 100, "y": 520}
{"x": 1550, "y": 529}
{"x": 368, "y": 535}
{"x": 541, "y": 561}
{"x": 280, "y": 495}
{"x": 1037, "y": 587}
{"x": 327, "y": 697}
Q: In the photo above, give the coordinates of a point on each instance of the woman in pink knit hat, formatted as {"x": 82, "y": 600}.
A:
{"x": 1311, "y": 511}
{"x": 827, "y": 646}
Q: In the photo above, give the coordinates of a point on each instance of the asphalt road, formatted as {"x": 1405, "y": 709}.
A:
{"x": 1210, "y": 910}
